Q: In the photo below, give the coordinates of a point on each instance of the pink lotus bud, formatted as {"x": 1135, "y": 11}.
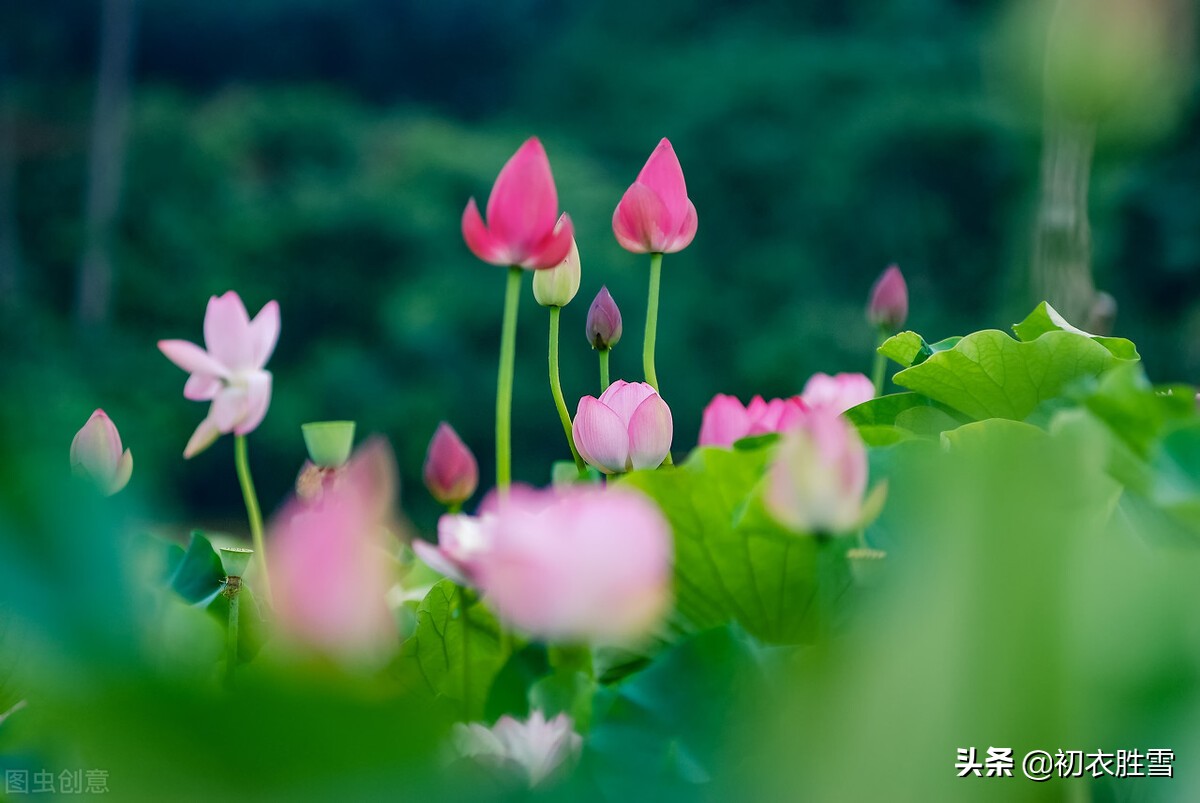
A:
{"x": 451, "y": 473}
{"x": 578, "y": 563}
{"x": 555, "y": 287}
{"x": 837, "y": 393}
{"x": 229, "y": 371}
{"x": 655, "y": 214}
{"x": 603, "y": 321}
{"x": 726, "y": 421}
{"x": 329, "y": 561}
{"x": 628, "y": 427}
{"x": 96, "y": 454}
{"x": 522, "y": 215}
{"x": 889, "y": 300}
{"x": 535, "y": 749}
{"x": 815, "y": 484}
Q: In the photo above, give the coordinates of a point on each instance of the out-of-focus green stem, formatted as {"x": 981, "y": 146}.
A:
{"x": 504, "y": 381}
{"x": 878, "y": 374}
{"x": 556, "y": 391}
{"x": 233, "y": 587}
{"x": 652, "y": 320}
{"x": 242, "y": 460}
{"x": 603, "y": 370}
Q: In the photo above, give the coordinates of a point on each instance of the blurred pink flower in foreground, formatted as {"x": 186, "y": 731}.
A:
{"x": 837, "y": 393}
{"x": 451, "y": 472}
{"x": 888, "y": 308}
{"x": 655, "y": 214}
{"x": 725, "y": 420}
{"x": 523, "y": 226}
{"x": 817, "y": 480}
{"x": 328, "y": 561}
{"x": 535, "y": 749}
{"x": 96, "y": 454}
{"x": 628, "y": 427}
{"x": 230, "y": 372}
{"x": 576, "y": 564}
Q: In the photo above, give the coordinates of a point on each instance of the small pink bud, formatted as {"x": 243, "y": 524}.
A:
{"x": 889, "y": 300}
{"x": 522, "y": 225}
{"x": 837, "y": 393}
{"x": 96, "y": 454}
{"x": 451, "y": 473}
{"x": 655, "y": 215}
{"x": 725, "y": 420}
{"x": 628, "y": 427}
{"x": 603, "y": 321}
{"x": 816, "y": 483}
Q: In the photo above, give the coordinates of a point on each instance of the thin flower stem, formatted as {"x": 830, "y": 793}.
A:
{"x": 556, "y": 391}
{"x": 242, "y": 461}
{"x": 232, "y": 588}
{"x": 604, "y": 370}
{"x": 878, "y": 375}
{"x": 504, "y": 381}
{"x": 652, "y": 320}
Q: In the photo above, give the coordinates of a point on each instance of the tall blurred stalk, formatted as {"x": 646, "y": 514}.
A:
{"x": 10, "y": 242}
{"x": 106, "y": 160}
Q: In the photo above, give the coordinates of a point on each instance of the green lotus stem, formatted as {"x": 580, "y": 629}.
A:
{"x": 252, "y": 510}
{"x": 878, "y": 374}
{"x": 556, "y": 391}
{"x": 604, "y": 370}
{"x": 504, "y": 381}
{"x": 652, "y": 320}
{"x": 233, "y": 585}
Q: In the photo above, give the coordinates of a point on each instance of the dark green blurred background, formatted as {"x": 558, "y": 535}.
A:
{"x": 320, "y": 153}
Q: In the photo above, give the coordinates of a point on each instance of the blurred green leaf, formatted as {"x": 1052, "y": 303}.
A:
{"x": 509, "y": 693}
{"x": 457, "y": 649}
{"x": 199, "y": 574}
{"x": 732, "y": 561}
{"x": 990, "y": 375}
{"x": 918, "y": 414}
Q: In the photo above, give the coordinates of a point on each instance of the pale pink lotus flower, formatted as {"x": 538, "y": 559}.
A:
{"x": 463, "y": 540}
{"x": 628, "y": 427}
{"x": 230, "y": 370}
{"x": 726, "y": 421}
{"x": 578, "y": 563}
{"x": 523, "y": 225}
{"x": 96, "y": 454}
{"x": 837, "y": 393}
{"x": 536, "y": 749}
{"x": 451, "y": 472}
{"x": 817, "y": 480}
{"x": 888, "y": 307}
{"x": 329, "y": 561}
{"x": 655, "y": 214}
{"x": 603, "y": 321}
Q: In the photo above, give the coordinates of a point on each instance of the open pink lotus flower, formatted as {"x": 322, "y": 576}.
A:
{"x": 96, "y": 454}
{"x": 462, "y": 541}
{"x": 726, "y": 421}
{"x": 655, "y": 215}
{"x": 576, "y": 564}
{"x": 628, "y": 427}
{"x": 818, "y": 478}
{"x": 839, "y": 392}
{"x": 536, "y": 749}
{"x": 329, "y": 562}
{"x": 229, "y": 371}
{"x": 451, "y": 472}
{"x": 523, "y": 225}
